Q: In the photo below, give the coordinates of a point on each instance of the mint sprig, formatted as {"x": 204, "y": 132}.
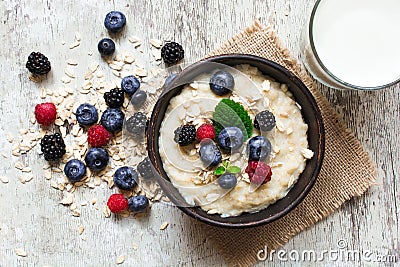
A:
{"x": 226, "y": 167}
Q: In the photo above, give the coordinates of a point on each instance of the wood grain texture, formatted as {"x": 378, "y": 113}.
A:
{"x": 33, "y": 220}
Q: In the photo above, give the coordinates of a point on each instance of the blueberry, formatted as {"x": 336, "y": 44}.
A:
{"x": 75, "y": 170}
{"x": 87, "y": 115}
{"x": 130, "y": 84}
{"x": 112, "y": 119}
{"x": 258, "y": 148}
{"x": 96, "y": 159}
{"x": 227, "y": 181}
{"x": 106, "y": 47}
{"x": 125, "y": 178}
{"x": 230, "y": 139}
{"x": 114, "y": 21}
{"x": 209, "y": 153}
{"x": 222, "y": 82}
{"x": 138, "y": 203}
{"x": 138, "y": 98}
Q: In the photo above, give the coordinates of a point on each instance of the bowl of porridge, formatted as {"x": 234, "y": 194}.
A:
{"x": 237, "y": 140}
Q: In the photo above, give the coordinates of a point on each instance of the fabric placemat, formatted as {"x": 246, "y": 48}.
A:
{"x": 347, "y": 170}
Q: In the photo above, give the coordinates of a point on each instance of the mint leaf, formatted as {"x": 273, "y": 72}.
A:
{"x": 233, "y": 169}
{"x": 220, "y": 170}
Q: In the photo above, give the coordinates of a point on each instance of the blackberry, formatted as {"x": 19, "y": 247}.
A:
{"x": 38, "y": 63}
{"x": 114, "y": 98}
{"x": 264, "y": 121}
{"x": 185, "y": 135}
{"x": 53, "y": 147}
{"x": 172, "y": 53}
{"x": 145, "y": 169}
{"x": 137, "y": 123}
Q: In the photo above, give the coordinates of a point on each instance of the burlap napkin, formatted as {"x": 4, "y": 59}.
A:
{"x": 347, "y": 170}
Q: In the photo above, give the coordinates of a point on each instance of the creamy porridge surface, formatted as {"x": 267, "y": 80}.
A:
{"x": 195, "y": 105}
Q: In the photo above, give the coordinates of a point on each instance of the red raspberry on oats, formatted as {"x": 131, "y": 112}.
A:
{"x": 117, "y": 203}
{"x": 98, "y": 136}
{"x": 259, "y": 172}
{"x": 45, "y": 113}
{"x": 205, "y": 131}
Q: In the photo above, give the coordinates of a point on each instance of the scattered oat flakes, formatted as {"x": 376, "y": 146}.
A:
{"x": 47, "y": 174}
{"x": 42, "y": 93}
{"x": 307, "y": 153}
{"x": 93, "y": 67}
{"x": 156, "y": 43}
{"x": 116, "y": 73}
{"x": 164, "y": 225}
{"x": 284, "y": 114}
{"x": 27, "y": 169}
{"x": 141, "y": 72}
{"x": 266, "y": 85}
{"x": 23, "y": 131}
{"x": 134, "y": 39}
{"x": 77, "y": 36}
{"x": 280, "y": 127}
{"x": 65, "y": 79}
{"x": 76, "y": 213}
{"x": 68, "y": 198}
{"x": 107, "y": 212}
{"x": 120, "y": 259}
{"x": 69, "y": 72}
{"x": 129, "y": 59}
{"x": 74, "y": 44}
{"x": 19, "y": 165}
{"x": 72, "y": 62}
{"x": 4, "y": 179}
{"x": 20, "y": 252}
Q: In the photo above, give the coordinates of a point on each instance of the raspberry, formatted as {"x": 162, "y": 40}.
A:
{"x": 45, "y": 113}
{"x": 98, "y": 136}
{"x": 205, "y": 131}
{"x": 259, "y": 172}
{"x": 117, "y": 203}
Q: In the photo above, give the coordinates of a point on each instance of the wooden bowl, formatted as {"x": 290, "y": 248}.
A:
{"x": 311, "y": 115}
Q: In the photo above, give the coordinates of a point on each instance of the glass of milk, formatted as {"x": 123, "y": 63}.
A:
{"x": 353, "y": 44}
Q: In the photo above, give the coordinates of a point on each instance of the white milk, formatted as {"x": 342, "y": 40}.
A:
{"x": 358, "y": 41}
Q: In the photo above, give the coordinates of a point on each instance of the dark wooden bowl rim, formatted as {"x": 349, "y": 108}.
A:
{"x": 256, "y": 219}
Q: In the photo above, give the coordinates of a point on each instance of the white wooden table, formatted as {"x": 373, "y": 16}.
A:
{"x": 31, "y": 217}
